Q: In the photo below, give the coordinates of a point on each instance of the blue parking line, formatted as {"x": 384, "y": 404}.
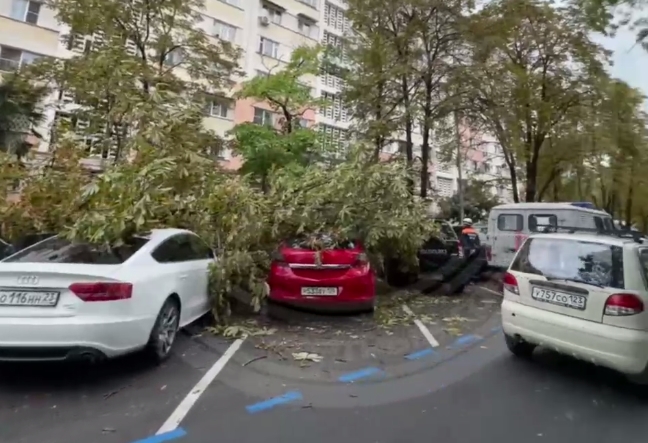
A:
{"x": 275, "y": 401}
{"x": 465, "y": 340}
{"x": 362, "y": 373}
{"x": 420, "y": 354}
{"x": 167, "y": 436}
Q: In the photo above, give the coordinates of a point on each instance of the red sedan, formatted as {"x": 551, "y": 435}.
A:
{"x": 334, "y": 278}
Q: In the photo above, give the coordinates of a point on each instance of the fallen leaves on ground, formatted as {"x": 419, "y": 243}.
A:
{"x": 306, "y": 356}
{"x": 238, "y": 331}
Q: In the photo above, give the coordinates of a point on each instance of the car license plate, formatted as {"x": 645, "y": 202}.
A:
{"x": 559, "y": 298}
{"x": 319, "y": 291}
{"x": 45, "y": 299}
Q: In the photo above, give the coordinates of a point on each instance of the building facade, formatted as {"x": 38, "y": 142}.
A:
{"x": 268, "y": 32}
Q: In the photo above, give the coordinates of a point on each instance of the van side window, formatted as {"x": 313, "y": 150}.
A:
{"x": 510, "y": 222}
{"x": 598, "y": 222}
{"x": 542, "y": 222}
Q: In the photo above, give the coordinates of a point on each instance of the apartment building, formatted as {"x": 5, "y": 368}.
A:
{"x": 267, "y": 31}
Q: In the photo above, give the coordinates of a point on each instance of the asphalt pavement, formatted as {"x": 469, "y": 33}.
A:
{"x": 470, "y": 390}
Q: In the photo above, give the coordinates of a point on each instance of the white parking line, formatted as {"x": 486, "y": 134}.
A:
{"x": 187, "y": 403}
{"x": 424, "y": 330}
{"x": 490, "y": 290}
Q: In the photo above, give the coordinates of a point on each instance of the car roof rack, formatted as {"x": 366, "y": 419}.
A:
{"x": 634, "y": 235}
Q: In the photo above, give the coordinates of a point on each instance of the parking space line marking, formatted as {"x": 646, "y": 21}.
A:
{"x": 362, "y": 373}
{"x": 424, "y": 330}
{"x": 275, "y": 401}
{"x": 167, "y": 436}
{"x": 490, "y": 290}
{"x": 465, "y": 340}
{"x": 186, "y": 404}
{"x": 420, "y": 354}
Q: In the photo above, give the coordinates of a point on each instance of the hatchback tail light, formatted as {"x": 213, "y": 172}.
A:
{"x": 510, "y": 283}
{"x": 278, "y": 258}
{"x": 619, "y": 305}
{"x": 361, "y": 260}
{"x": 102, "y": 291}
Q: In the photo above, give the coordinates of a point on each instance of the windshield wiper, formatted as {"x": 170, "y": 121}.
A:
{"x": 574, "y": 280}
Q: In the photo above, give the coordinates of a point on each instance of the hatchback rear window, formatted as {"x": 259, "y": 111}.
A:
{"x": 446, "y": 231}
{"x": 589, "y": 262}
{"x": 60, "y": 250}
{"x": 321, "y": 241}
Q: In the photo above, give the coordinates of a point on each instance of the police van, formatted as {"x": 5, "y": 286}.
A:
{"x": 510, "y": 224}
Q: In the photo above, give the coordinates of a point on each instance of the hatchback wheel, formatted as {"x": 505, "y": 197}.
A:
{"x": 518, "y": 347}
{"x": 164, "y": 332}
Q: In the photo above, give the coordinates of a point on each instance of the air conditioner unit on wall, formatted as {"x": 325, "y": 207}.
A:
{"x": 264, "y": 21}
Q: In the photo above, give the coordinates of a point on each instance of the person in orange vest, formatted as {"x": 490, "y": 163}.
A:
{"x": 469, "y": 238}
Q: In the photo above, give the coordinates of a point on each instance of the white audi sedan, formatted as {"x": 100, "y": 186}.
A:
{"x": 61, "y": 300}
{"x": 581, "y": 294}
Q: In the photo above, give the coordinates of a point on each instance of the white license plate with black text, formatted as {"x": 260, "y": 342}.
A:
{"x": 330, "y": 292}
{"x": 572, "y": 301}
{"x": 45, "y": 299}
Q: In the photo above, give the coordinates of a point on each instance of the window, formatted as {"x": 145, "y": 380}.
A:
{"x": 219, "y": 107}
{"x": 598, "y": 223}
{"x": 268, "y": 47}
{"x": 273, "y": 14}
{"x": 25, "y": 11}
{"x": 334, "y": 17}
{"x": 12, "y": 58}
{"x": 510, "y": 222}
{"x": 445, "y": 187}
{"x": 643, "y": 261}
{"x": 332, "y": 137}
{"x": 178, "y": 248}
{"x": 174, "y": 57}
{"x": 9, "y": 58}
{"x": 60, "y": 250}
{"x": 305, "y": 27}
{"x": 200, "y": 248}
{"x": 334, "y": 42}
{"x": 263, "y": 117}
{"x": 589, "y": 262}
{"x": 609, "y": 224}
{"x": 311, "y": 3}
{"x": 335, "y": 110}
{"x": 542, "y": 222}
{"x": 224, "y": 31}
{"x": 236, "y": 3}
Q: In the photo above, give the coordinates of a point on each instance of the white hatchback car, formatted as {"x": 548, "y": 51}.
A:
{"x": 583, "y": 295}
{"x": 61, "y": 300}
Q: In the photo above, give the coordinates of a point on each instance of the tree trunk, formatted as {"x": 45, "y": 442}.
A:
{"x": 409, "y": 128}
{"x": 425, "y": 147}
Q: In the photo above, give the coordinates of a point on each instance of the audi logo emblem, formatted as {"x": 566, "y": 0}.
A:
{"x": 28, "y": 279}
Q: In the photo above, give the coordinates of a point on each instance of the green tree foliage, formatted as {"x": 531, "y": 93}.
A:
{"x": 601, "y": 155}
{"x": 162, "y": 175}
{"x": 20, "y": 113}
{"x": 283, "y": 141}
{"x": 477, "y": 203}
{"x": 532, "y": 63}
{"x": 126, "y": 51}
{"x": 607, "y": 16}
